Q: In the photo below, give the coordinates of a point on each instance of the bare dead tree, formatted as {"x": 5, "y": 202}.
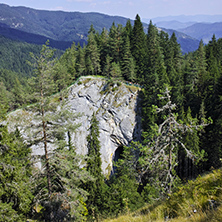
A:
{"x": 161, "y": 152}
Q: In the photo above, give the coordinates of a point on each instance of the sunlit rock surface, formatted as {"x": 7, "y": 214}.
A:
{"x": 117, "y": 108}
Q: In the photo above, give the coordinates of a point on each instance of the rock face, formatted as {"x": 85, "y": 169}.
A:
{"x": 117, "y": 109}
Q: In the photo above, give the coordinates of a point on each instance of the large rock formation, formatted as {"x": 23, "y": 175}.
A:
{"x": 116, "y": 106}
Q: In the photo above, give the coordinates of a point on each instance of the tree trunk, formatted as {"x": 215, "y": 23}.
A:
{"x": 170, "y": 170}
{"x": 45, "y": 146}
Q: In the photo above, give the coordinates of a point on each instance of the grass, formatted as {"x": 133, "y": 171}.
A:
{"x": 197, "y": 201}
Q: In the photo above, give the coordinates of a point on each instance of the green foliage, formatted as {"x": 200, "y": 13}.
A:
{"x": 138, "y": 48}
{"x": 123, "y": 184}
{"x": 42, "y": 81}
{"x": 13, "y": 90}
{"x": 67, "y": 201}
{"x": 80, "y": 61}
{"x": 4, "y": 100}
{"x": 128, "y": 64}
{"x": 161, "y": 153}
{"x": 14, "y": 55}
{"x": 115, "y": 70}
{"x": 58, "y": 195}
{"x": 15, "y": 173}
{"x": 68, "y": 62}
{"x": 156, "y": 75}
{"x": 200, "y": 195}
{"x": 97, "y": 188}
{"x": 92, "y": 56}
{"x": 197, "y": 200}
{"x": 176, "y": 139}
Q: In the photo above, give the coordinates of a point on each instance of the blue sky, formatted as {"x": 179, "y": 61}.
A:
{"x": 127, "y": 8}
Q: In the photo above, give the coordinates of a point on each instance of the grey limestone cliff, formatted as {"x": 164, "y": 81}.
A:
{"x": 117, "y": 109}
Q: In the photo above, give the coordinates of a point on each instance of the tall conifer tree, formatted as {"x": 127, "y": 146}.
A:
{"x": 128, "y": 64}
{"x": 201, "y": 71}
{"x": 103, "y": 48}
{"x": 115, "y": 42}
{"x": 155, "y": 77}
{"x": 43, "y": 87}
{"x": 92, "y": 56}
{"x": 138, "y": 48}
{"x": 80, "y": 61}
{"x": 156, "y": 70}
{"x": 15, "y": 173}
{"x": 95, "y": 188}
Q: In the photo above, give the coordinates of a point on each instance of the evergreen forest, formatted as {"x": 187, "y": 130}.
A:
{"x": 181, "y": 125}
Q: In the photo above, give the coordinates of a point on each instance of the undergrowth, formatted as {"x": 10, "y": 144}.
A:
{"x": 199, "y": 200}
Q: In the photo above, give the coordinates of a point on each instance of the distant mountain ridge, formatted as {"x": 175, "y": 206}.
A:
{"x": 204, "y": 31}
{"x": 63, "y": 28}
{"x": 176, "y": 25}
{"x": 196, "y": 26}
{"x": 57, "y": 25}
{"x": 188, "y": 18}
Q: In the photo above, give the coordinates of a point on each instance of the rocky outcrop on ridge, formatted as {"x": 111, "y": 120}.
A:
{"x": 116, "y": 105}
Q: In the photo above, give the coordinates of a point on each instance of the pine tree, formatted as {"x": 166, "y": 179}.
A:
{"x": 103, "y": 48}
{"x": 92, "y": 29}
{"x": 63, "y": 198}
{"x": 95, "y": 188}
{"x": 107, "y": 67}
{"x": 218, "y": 124}
{"x": 67, "y": 200}
{"x": 189, "y": 78}
{"x": 19, "y": 94}
{"x": 115, "y": 70}
{"x": 80, "y": 61}
{"x": 155, "y": 78}
{"x": 43, "y": 87}
{"x": 173, "y": 67}
{"x": 115, "y": 42}
{"x": 156, "y": 70}
{"x": 212, "y": 62}
{"x": 15, "y": 173}
{"x": 68, "y": 59}
{"x": 128, "y": 64}
{"x": 92, "y": 56}
{"x": 202, "y": 70}
{"x": 62, "y": 78}
{"x": 174, "y": 70}
{"x": 128, "y": 29}
{"x": 138, "y": 48}
{"x": 212, "y": 137}
{"x": 161, "y": 151}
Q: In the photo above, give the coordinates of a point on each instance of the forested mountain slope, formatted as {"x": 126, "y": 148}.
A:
{"x": 58, "y": 25}
{"x": 180, "y": 116}
{"x": 15, "y": 54}
{"x": 63, "y": 27}
{"x": 31, "y": 38}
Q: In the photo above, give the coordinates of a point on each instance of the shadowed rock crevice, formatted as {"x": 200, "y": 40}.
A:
{"x": 117, "y": 155}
